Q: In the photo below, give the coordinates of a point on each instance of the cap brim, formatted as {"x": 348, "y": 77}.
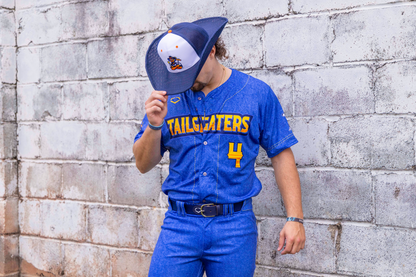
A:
{"x": 174, "y": 83}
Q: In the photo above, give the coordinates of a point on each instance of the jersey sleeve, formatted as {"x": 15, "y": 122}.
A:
{"x": 143, "y": 127}
{"x": 275, "y": 132}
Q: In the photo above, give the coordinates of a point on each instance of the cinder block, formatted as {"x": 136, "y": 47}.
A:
{"x": 149, "y": 228}
{"x": 84, "y": 20}
{"x": 84, "y": 181}
{"x": 85, "y": 101}
{"x": 127, "y": 99}
{"x": 374, "y": 34}
{"x": 7, "y": 26}
{"x": 377, "y": 251}
{"x": 63, "y": 220}
{"x": 262, "y": 158}
{"x": 117, "y": 141}
{"x": 128, "y": 186}
{"x": 269, "y": 202}
{"x": 113, "y": 226}
{"x": 317, "y": 256}
{"x": 130, "y": 263}
{"x": 29, "y": 140}
{"x": 9, "y": 254}
{"x": 39, "y": 102}
{"x": 336, "y": 194}
{"x": 38, "y": 26}
{"x": 281, "y": 84}
{"x": 313, "y": 147}
{"x": 86, "y": 260}
{"x": 333, "y": 91}
{"x": 40, "y": 180}
{"x": 7, "y": 103}
{"x": 164, "y": 172}
{"x": 63, "y": 139}
{"x": 7, "y": 4}
{"x": 237, "y": 10}
{"x": 8, "y": 142}
{"x": 395, "y": 88}
{"x": 372, "y": 142}
{"x": 28, "y": 65}
{"x": 30, "y": 221}
{"x": 188, "y": 11}
{"x": 8, "y": 179}
{"x": 305, "y": 6}
{"x": 8, "y": 65}
{"x": 115, "y": 57}
{"x": 40, "y": 256}
{"x": 9, "y": 217}
{"x": 20, "y": 4}
{"x": 128, "y": 17}
{"x": 310, "y": 45}
{"x": 244, "y": 44}
{"x": 395, "y": 195}
{"x": 273, "y": 272}
{"x": 64, "y": 62}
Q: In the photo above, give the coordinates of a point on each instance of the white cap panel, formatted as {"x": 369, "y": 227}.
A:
{"x": 176, "y": 53}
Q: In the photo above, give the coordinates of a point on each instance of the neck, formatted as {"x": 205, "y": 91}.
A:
{"x": 219, "y": 76}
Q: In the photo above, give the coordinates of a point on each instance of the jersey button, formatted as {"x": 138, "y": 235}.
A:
{"x": 205, "y": 174}
{"x": 199, "y": 98}
{"x": 205, "y": 142}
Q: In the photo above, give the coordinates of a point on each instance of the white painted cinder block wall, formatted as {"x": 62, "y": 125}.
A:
{"x": 73, "y": 86}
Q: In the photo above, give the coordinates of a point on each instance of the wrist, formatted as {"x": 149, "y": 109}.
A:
{"x": 156, "y": 127}
{"x": 295, "y": 219}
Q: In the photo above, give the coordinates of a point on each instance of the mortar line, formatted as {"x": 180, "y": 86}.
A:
{"x": 258, "y": 168}
{"x": 301, "y": 271}
{"x": 17, "y": 136}
{"x": 334, "y": 117}
{"x": 341, "y": 169}
{"x": 92, "y": 203}
{"x": 293, "y": 68}
{"x": 340, "y": 11}
{"x": 28, "y": 122}
{"x": 88, "y": 81}
{"x": 87, "y": 243}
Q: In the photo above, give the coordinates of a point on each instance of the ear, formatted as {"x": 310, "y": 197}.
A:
{"x": 213, "y": 51}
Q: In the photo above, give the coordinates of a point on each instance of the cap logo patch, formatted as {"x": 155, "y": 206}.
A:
{"x": 176, "y": 53}
{"x": 174, "y": 63}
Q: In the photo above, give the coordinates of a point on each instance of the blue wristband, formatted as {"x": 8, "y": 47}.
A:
{"x": 156, "y": 127}
{"x": 300, "y": 220}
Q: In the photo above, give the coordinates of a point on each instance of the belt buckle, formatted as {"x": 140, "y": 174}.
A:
{"x": 202, "y": 210}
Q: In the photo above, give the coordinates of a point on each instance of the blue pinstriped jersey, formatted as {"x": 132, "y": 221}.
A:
{"x": 213, "y": 140}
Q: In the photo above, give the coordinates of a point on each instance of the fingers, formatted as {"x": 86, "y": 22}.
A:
{"x": 156, "y": 107}
{"x": 159, "y": 95}
{"x": 289, "y": 246}
{"x": 281, "y": 241}
{"x": 294, "y": 235}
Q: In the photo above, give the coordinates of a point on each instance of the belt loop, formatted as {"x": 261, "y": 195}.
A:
{"x": 225, "y": 209}
{"x": 231, "y": 209}
{"x": 182, "y": 207}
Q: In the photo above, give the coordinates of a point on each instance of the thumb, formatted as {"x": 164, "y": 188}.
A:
{"x": 281, "y": 241}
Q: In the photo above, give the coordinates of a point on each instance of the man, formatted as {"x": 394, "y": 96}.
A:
{"x": 212, "y": 120}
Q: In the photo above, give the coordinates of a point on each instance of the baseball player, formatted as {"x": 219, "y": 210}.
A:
{"x": 212, "y": 120}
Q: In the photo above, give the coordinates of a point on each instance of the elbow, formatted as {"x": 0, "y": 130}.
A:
{"x": 141, "y": 168}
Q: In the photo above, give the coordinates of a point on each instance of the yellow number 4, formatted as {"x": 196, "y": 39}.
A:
{"x": 236, "y": 155}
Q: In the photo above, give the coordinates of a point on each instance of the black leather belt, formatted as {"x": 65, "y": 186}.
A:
{"x": 206, "y": 210}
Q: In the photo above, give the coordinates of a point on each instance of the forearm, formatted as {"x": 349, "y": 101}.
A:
{"x": 287, "y": 179}
{"x": 147, "y": 150}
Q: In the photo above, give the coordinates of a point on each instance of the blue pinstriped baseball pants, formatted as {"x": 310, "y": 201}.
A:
{"x": 188, "y": 245}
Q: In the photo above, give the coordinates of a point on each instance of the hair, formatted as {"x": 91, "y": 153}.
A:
{"x": 221, "y": 51}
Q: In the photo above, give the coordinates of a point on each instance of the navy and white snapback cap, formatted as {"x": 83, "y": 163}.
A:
{"x": 175, "y": 58}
